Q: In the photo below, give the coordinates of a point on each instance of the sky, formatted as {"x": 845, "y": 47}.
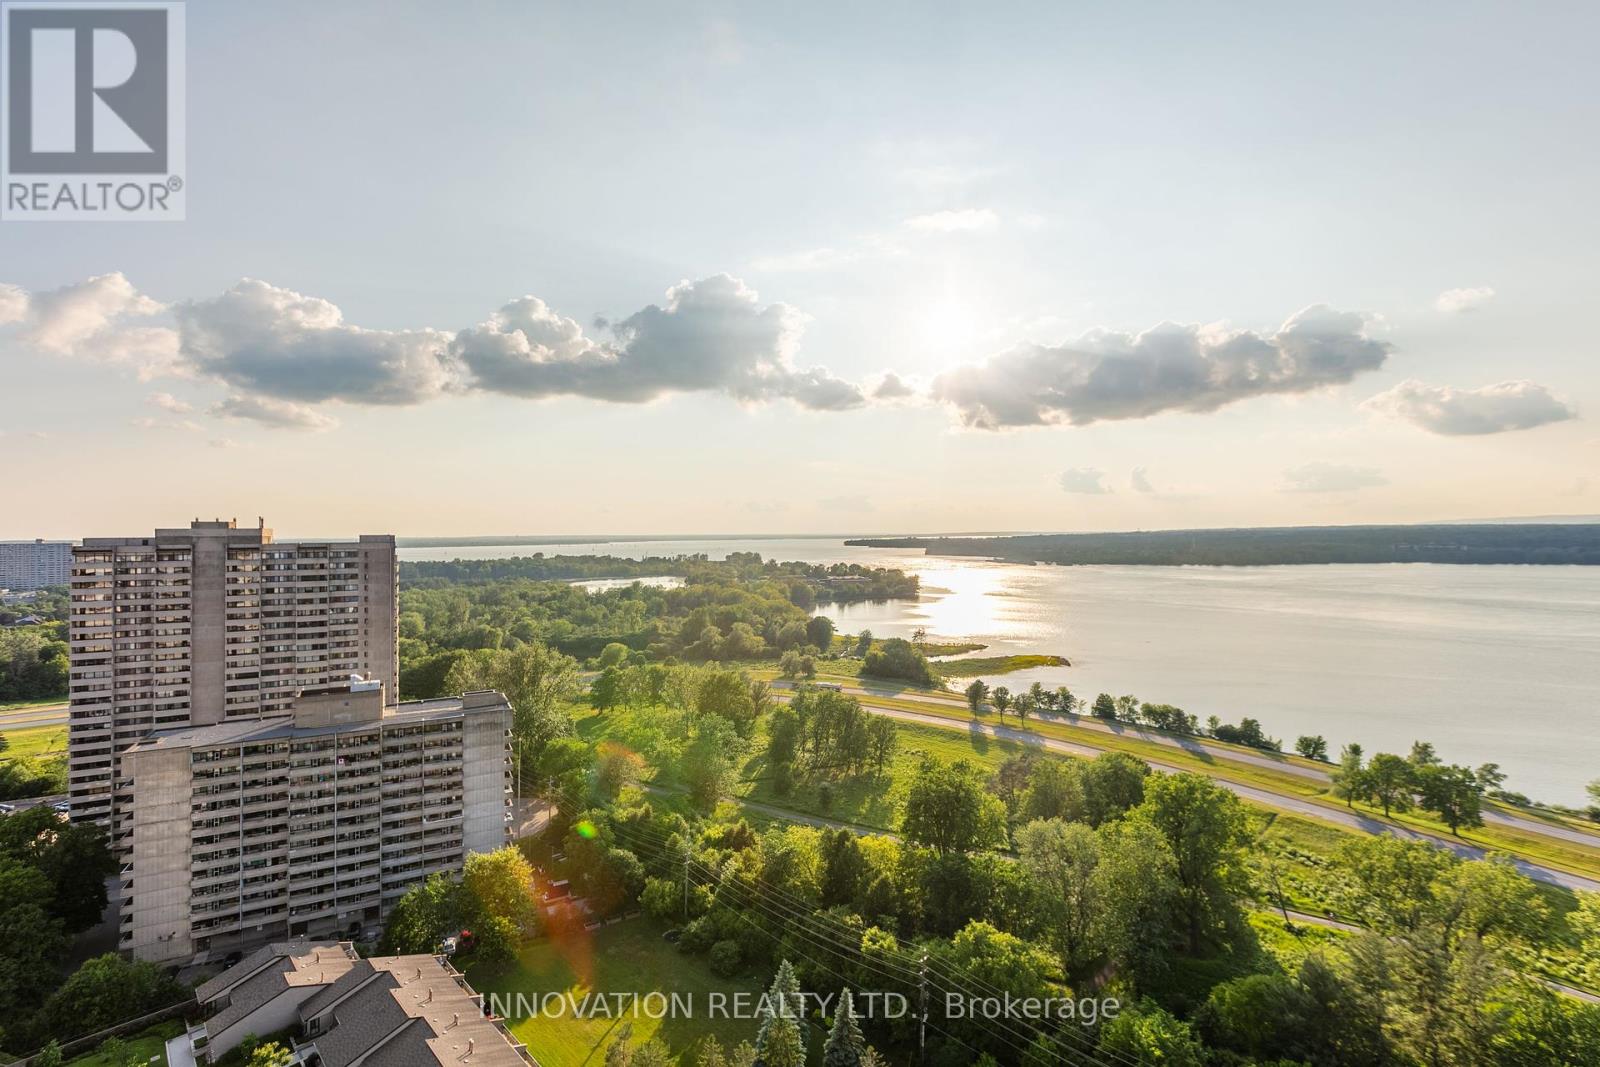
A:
{"x": 638, "y": 268}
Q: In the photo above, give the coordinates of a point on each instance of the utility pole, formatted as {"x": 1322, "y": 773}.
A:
{"x": 922, "y": 1024}
{"x": 685, "y": 879}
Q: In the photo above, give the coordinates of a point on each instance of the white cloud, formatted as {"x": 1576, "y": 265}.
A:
{"x": 893, "y": 387}
{"x": 170, "y": 403}
{"x": 276, "y": 414}
{"x": 1498, "y": 408}
{"x": 1087, "y": 480}
{"x": 1139, "y": 481}
{"x": 712, "y": 335}
{"x": 1331, "y": 478}
{"x": 965, "y": 220}
{"x": 1106, "y": 375}
{"x": 101, "y": 318}
{"x": 1458, "y": 300}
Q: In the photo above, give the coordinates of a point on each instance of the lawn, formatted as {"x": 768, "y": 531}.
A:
{"x": 141, "y": 1048}
{"x": 988, "y": 665}
{"x": 35, "y": 741}
{"x": 627, "y": 958}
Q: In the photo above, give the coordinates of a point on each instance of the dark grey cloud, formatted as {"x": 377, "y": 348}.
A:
{"x": 712, "y": 335}
{"x": 1320, "y": 477}
{"x": 1105, "y": 375}
{"x": 1498, "y": 408}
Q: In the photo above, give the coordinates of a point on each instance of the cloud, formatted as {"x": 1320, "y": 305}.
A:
{"x": 1458, "y": 300}
{"x": 13, "y": 304}
{"x": 260, "y": 339}
{"x": 147, "y": 422}
{"x": 965, "y": 220}
{"x": 1498, "y": 408}
{"x": 168, "y": 402}
{"x": 223, "y": 442}
{"x": 712, "y": 335}
{"x": 1331, "y": 478}
{"x": 1105, "y": 375}
{"x": 1084, "y": 480}
{"x": 1139, "y": 480}
{"x": 892, "y": 387}
{"x": 276, "y": 414}
{"x": 848, "y": 502}
{"x": 99, "y": 318}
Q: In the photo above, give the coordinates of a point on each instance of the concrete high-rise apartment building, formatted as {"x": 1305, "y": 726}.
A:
{"x": 34, "y": 564}
{"x": 309, "y": 824}
{"x": 210, "y": 625}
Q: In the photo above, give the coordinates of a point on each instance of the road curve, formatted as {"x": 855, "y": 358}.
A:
{"x": 1199, "y": 746}
{"x": 1342, "y": 817}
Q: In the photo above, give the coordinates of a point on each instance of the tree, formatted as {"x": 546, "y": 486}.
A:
{"x": 499, "y": 884}
{"x": 1105, "y": 706}
{"x": 1451, "y": 792}
{"x": 1204, "y": 825}
{"x": 1594, "y": 798}
{"x": 615, "y": 654}
{"x": 1422, "y": 754}
{"x": 538, "y": 681}
{"x": 727, "y": 694}
{"x": 948, "y": 809}
{"x": 271, "y": 1054}
{"x": 845, "y": 1046}
{"x": 1489, "y": 777}
{"x": 615, "y": 767}
{"x": 898, "y": 658}
{"x": 1312, "y": 746}
{"x": 863, "y": 642}
{"x": 1390, "y": 781}
{"x": 1113, "y": 784}
{"x": 1148, "y": 1035}
{"x": 1002, "y": 699}
{"x": 74, "y": 857}
{"x": 977, "y": 692}
{"x": 844, "y": 867}
{"x": 883, "y": 737}
{"x": 1060, "y": 858}
{"x": 1136, "y": 883}
{"x": 605, "y": 692}
{"x": 106, "y": 990}
{"x": 1065, "y": 702}
{"x": 424, "y": 915}
{"x": 1350, "y": 777}
{"x": 709, "y": 760}
{"x": 1025, "y": 705}
{"x": 819, "y": 632}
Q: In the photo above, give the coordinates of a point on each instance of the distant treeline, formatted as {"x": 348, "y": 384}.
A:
{"x": 1542, "y": 543}
{"x": 831, "y": 583}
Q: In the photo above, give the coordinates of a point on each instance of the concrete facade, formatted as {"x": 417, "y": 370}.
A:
{"x": 308, "y": 824}
{"x": 213, "y": 624}
{"x": 34, "y": 564}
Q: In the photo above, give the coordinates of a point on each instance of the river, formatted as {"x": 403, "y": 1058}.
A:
{"x": 1490, "y": 663}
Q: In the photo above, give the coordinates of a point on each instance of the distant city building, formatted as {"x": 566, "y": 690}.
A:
{"x": 310, "y": 824}
{"x": 34, "y": 564}
{"x": 210, "y": 625}
{"x": 384, "y": 1011}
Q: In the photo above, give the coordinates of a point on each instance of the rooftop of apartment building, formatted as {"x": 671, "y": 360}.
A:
{"x": 229, "y": 530}
{"x": 385, "y": 1011}
{"x": 310, "y": 717}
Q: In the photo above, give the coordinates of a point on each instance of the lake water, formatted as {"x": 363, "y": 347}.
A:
{"x": 1490, "y": 663}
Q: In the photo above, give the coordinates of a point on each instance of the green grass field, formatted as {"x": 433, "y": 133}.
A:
{"x": 35, "y": 741}
{"x": 137, "y": 1049}
{"x": 627, "y": 958}
{"x": 987, "y": 665}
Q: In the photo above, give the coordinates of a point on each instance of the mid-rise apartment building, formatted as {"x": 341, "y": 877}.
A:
{"x": 34, "y": 564}
{"x": 211, "y": 625}
{"x": 309, "y": 824}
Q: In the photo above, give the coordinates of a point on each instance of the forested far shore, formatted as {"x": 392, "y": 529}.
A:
{"x": 832, "y": 583}
{"x": 1532, "y": 543}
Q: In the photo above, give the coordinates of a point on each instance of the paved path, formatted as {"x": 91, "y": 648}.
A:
{"x": 1353, "y": 820}
{"x": 1198, "y": 746}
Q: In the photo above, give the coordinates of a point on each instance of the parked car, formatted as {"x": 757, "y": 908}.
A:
{"x": 7, "y": 809}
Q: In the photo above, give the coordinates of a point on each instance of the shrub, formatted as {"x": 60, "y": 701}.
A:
{"x": 726, "y": 958}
